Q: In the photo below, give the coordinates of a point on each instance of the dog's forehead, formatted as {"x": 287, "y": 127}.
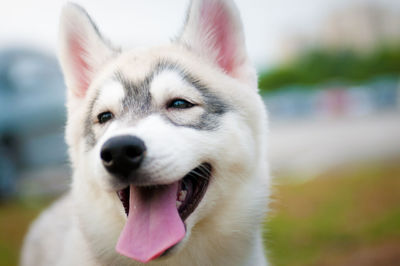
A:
{"x": 139, "y": 63}
{"x": 134, "y": 67}
{"x": 148, "y": 63}
{"x": 111, "y": 90}
{"x": 162, "y": 74}
{"x": 156, "y": 75}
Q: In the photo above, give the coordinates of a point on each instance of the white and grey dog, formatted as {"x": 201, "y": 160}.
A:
{"x": 168, "y": 149}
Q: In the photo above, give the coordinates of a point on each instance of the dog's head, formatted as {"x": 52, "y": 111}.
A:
{"x": 176, "y": 132}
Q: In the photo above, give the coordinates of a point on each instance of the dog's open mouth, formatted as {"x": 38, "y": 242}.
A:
{"x": 191, "y": 190}
{"x": 156, "y": 214}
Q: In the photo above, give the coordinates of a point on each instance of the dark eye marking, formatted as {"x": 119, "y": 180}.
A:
{"x": 179, "y": 104}
{"x": 105, "y": 117}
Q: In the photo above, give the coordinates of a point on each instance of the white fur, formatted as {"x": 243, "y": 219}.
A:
{"x": 226, "y": 227}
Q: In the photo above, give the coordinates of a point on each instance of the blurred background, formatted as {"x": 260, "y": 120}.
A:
{"x": 329, "y": 73}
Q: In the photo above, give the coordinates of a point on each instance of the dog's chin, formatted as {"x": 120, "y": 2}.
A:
{"x": 191, "y": 189}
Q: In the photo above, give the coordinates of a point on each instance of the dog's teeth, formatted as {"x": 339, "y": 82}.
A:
{"x": 178, "y": 204}
{"x": 182, "y": 195}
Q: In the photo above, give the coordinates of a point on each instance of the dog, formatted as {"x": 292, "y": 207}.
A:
{"x": 167, "y": 145}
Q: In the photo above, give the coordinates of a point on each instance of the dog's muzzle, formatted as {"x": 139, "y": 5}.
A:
{"x": 156, "y": 213}
{"x": 122, "y": 155}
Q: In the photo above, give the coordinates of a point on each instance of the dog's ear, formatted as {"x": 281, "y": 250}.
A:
{"x": 82, "y": 50}
{"x": 214, "y": 30}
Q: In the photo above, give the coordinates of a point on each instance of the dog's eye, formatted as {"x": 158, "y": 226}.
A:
{"x": 180, "y": 104}
{"x": 104, "y": 117}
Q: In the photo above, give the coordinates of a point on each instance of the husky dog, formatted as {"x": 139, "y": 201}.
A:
{"x": 167, "y": 146}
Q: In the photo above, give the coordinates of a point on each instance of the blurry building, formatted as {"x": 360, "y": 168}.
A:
{"x": 31, "y": 115}
{"x": 360, "y": 27}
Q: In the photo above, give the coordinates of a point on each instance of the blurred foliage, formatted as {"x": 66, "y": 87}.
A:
{"x": 319, "y": 66}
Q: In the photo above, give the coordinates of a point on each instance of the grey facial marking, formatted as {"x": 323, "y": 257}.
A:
{"x": 214, "y": 106}
{"x": 88, "y": 130}
{"x": 214, "y": 109}
{"x": 138, "y": 102}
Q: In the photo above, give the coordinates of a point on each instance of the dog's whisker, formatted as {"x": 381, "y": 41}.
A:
{"x": 200, "y": 173}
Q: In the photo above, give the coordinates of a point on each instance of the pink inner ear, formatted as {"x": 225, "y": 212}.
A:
{"x": 215, "y": 18}
{"x": 81, "y": 68}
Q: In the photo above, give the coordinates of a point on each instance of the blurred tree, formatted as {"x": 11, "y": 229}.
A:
{"x": 320, "y": 66}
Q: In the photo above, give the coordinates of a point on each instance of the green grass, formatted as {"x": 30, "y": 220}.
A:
{"x": 347, "y": 216}
{"x": 15, "y": 217}
{"x": 338, "y": 218}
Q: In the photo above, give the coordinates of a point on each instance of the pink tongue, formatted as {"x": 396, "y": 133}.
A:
{"x": 153, "y": 224}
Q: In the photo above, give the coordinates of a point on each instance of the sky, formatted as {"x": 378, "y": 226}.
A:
{"x": 142, "y": 22}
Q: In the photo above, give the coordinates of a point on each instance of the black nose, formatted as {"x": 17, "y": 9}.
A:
{"x": 122, "y": 155}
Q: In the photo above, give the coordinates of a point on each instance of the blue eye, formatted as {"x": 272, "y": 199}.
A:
{"x": 104, "y": 117}
{"x": 180, "y": 104}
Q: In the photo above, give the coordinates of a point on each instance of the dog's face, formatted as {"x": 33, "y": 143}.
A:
{"x": 165, "y": 136}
